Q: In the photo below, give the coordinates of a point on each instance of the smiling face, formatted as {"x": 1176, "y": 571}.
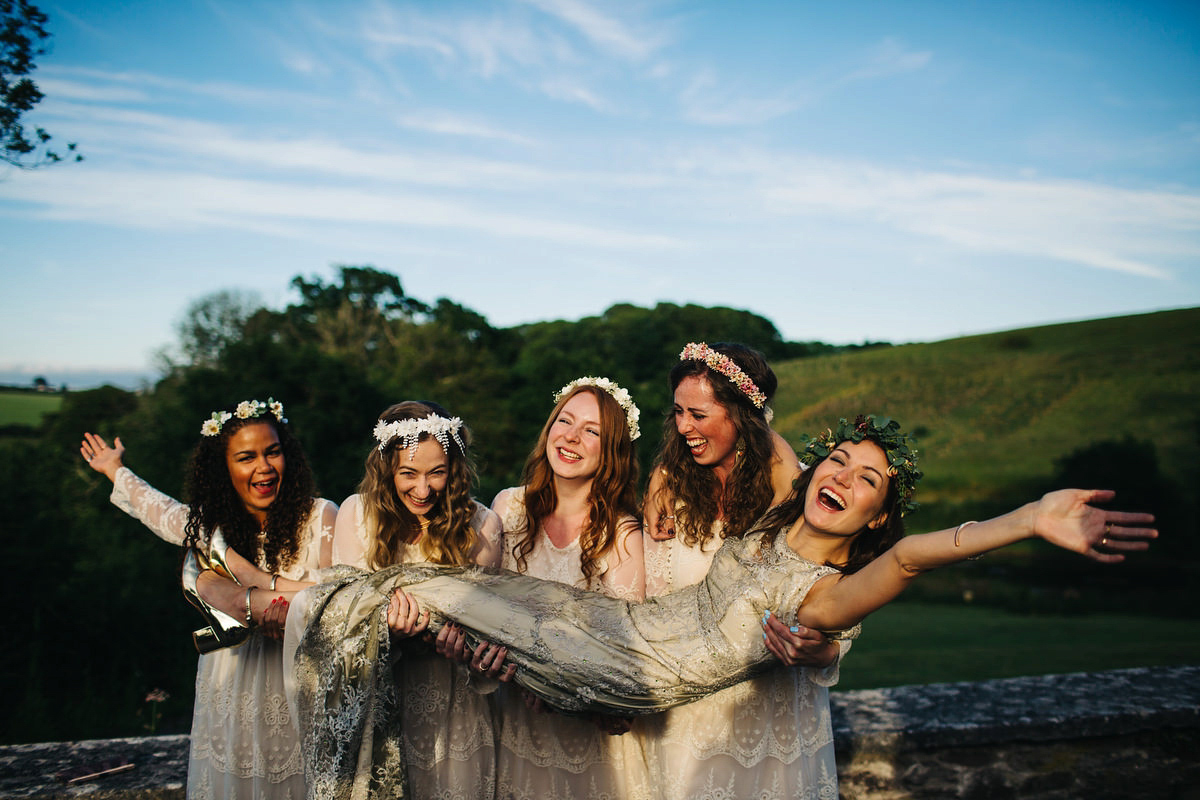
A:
{"x": 255, "y": 461}
{"x": 421, "y": 479}
{"x": 848, "y": 489}
{"x": 573, "y": 443}
{"x": 705, "y": 424}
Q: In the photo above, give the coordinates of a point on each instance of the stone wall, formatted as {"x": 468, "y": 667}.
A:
{"x": 1121, "y": 734}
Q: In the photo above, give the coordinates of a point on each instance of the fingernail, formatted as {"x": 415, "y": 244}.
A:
{"x": 766, "y": 614}
{"x": 794, "y": 629}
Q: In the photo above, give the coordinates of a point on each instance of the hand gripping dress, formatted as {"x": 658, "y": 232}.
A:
{"x": 244, "y": 742}
{"x": 580, "y": 651}
{"x": 770, "y": 737}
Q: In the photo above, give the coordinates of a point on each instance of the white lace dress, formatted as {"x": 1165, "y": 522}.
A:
{"x": 447, "y": 729}
{"x": 546, "y": 754}
{"x": 769, "y": 737}
{"x": 244, "y": 742}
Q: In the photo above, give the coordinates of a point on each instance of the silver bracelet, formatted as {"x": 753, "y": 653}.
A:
{"x": 274, "y": 578}
{"x": 958, "y": 530}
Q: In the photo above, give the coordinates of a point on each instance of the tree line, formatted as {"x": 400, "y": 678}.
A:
{"x": 96, "y": 619}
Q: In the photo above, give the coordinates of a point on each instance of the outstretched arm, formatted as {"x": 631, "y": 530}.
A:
{"x": 1065, "y": 518}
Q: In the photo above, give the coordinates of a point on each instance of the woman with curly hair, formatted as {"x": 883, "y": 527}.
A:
{"x": 414, "y": 506}
{"x": 247, "y": 478}
{"x": 573, "y": 520}
{"x": 720, "y": 466}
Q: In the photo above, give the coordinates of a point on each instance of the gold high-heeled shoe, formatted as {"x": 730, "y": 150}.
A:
{"x": 217, "y": 547}
{"x": 223, "y": 630}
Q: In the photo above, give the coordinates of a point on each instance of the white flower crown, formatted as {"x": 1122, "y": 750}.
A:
{"x": 247, "y": 409}
{"x": 409, "y": 432}
{"x": 624, "y": 400}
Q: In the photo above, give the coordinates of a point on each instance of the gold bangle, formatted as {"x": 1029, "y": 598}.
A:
{"x": 249, "y": 616}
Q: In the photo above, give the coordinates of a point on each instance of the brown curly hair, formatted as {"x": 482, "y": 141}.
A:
{"x": 612, "y": 496}
{"x": 748, "y": 490}
{"x": 450, "y": 539}
{"x": 213, "y": 502}
{"x": 869, "y": 543}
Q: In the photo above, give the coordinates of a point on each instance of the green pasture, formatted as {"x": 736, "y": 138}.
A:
{"x": 994, "y": 412}
{"x": 27, "y": 408}
{"x": 911, "y": 643}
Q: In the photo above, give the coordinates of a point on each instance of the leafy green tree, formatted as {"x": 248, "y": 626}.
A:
{"x": 23, "y": 37}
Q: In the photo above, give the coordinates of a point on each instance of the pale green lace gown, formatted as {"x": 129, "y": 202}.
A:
{"x": 578, "y": 650}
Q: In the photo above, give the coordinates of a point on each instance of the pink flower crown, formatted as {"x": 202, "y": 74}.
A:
{"x": 699, "y": 351}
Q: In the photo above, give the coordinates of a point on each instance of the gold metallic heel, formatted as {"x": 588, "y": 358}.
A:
{"x": 223, "y": 630}
{"x": 217, "y": 548}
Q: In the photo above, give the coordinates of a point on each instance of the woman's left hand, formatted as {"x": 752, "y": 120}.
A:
{"x": 273, "y": 618}
{"x": 798, "y": 646}
{"x": 488, "y": 660}
{"x": 404, "y": 615}
{"x": 1068, "y": 519}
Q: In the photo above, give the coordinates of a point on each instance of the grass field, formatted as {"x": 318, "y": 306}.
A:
{"x": 994, "y": 412}
{"x": 27, "y": 408}
{"x": 908, "y": 643}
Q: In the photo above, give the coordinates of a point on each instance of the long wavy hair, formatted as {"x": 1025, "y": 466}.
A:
{"x": 450, "y": 538}
{"x": 214, "y": 503}
{"x": 869, "y": 543}
{"x": 612, "y": 495}
{"x": 700, "y": 500}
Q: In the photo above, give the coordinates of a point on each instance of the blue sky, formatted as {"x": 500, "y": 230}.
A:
{"x": 898, "y": 171}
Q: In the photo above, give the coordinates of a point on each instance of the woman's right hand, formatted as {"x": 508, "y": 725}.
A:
{"x": 404, "y": 616}
{"x": 100, "y": 457}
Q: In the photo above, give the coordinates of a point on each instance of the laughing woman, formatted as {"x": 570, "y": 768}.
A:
{"x": 414, "y": 506}
{"x": 720, "y": 467}
{"x": 573, "y": 521}
{"x": 249, "y": 479}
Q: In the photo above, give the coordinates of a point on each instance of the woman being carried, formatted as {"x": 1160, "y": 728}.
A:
{"x": 249, "y": 479}
{"x": 719, "y": 467}
{"x": 825, "y": 558}
{"x": 573, "y": 521}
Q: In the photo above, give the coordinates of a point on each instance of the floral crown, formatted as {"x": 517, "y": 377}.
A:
{"x": 622, "y": 396}
{"x": 699, "y": 351}
{"x": 409, "y": 432}
{"x": 885, "y": 432}
{"x": 247, "y": 409}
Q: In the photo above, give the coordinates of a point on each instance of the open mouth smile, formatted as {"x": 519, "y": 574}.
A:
{"x": 830, "y": 500}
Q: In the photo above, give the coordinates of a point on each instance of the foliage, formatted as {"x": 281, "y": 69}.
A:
{"x": 23, "y": 37}
{"x": 101, "y": 619}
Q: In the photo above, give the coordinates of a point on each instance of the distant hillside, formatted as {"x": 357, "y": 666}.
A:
{"x": 994, "y": 412}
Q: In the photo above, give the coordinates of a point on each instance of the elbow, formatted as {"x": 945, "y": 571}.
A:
{"x": 906, "y": 565}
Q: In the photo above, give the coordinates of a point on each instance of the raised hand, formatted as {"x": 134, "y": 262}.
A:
{"x": 100, "y": 457}
{"x": 1069, "y": 519}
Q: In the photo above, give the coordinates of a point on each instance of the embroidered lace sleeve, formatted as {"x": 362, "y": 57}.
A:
{"x": 162, "y": 514}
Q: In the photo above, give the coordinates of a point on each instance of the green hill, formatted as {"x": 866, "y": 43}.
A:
{"x": 995, "y": 412}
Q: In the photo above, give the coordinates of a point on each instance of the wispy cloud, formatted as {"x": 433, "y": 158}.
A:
{"x": 709, "y": 99}
{"x": 452, "y": 125}
{"x": 603, "y": 30}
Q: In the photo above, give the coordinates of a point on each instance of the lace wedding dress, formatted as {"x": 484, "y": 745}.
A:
{"x": 578, "y": 650}
{"x": 244, "y": 742}
{"x": 769, "y": 737}
{"x": 446, "y": 735}
{"x": 542, "y": 753}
